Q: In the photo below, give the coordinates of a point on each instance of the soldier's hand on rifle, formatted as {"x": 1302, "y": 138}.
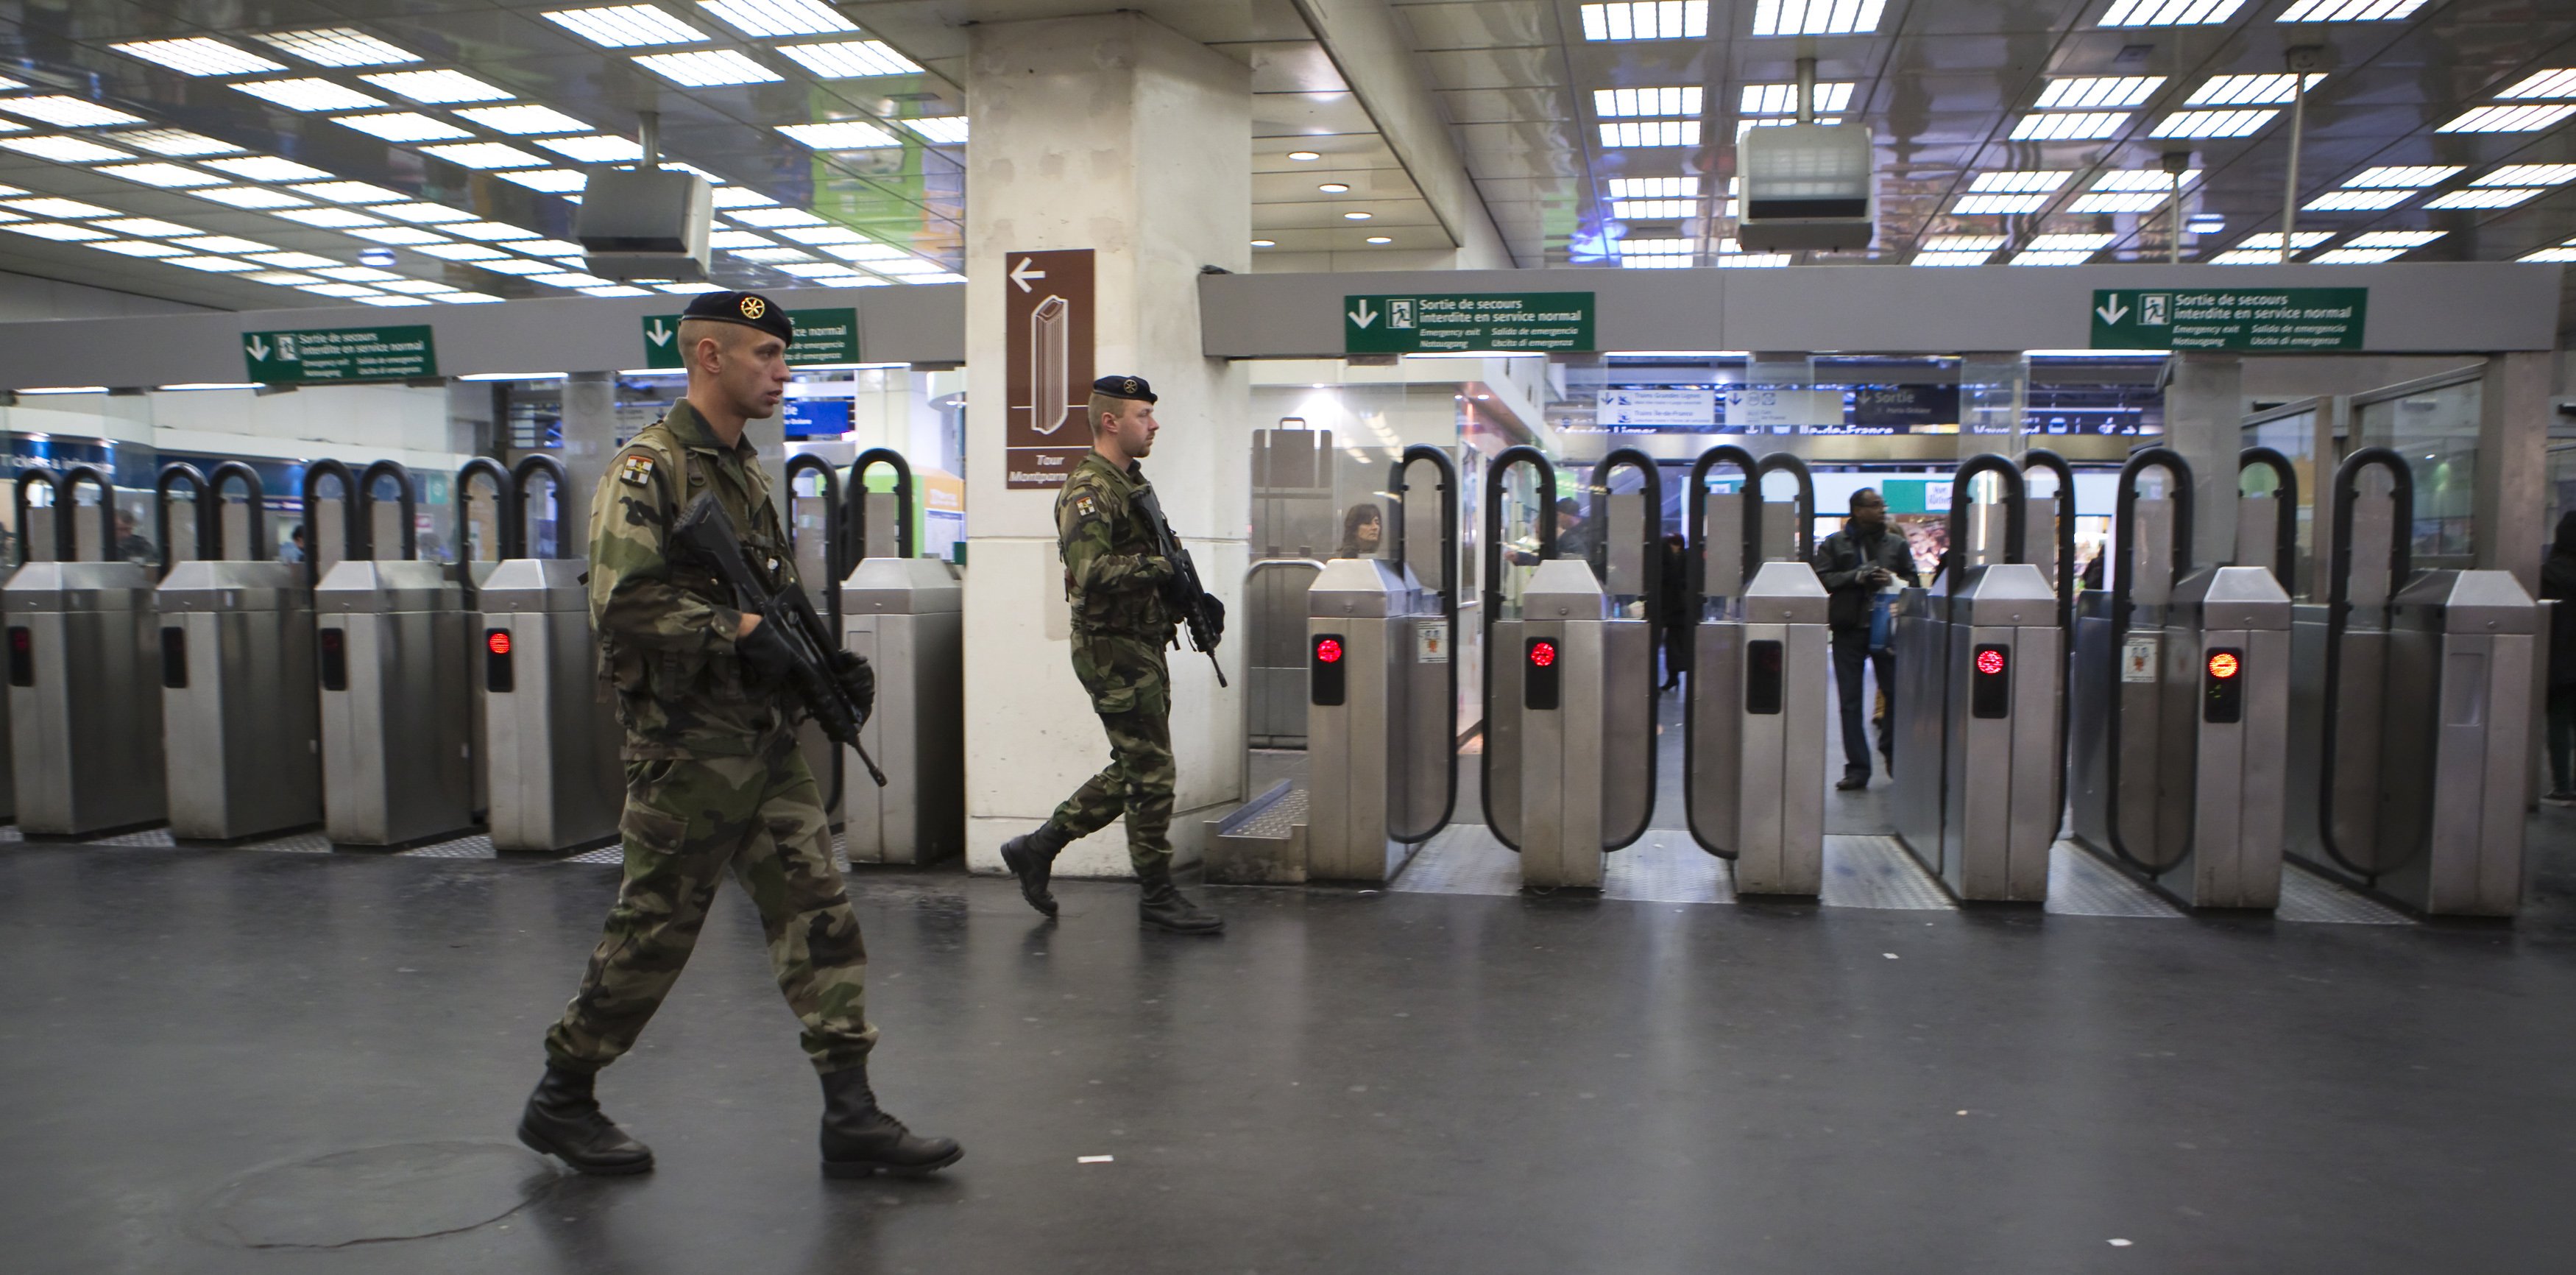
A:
{"x": 857, "y": 680}
{"x": 1214, "y": 609}
{"x": 766, "y": 650}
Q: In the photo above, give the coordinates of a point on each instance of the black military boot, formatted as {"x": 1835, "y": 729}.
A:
{"x": 1031, "y": 858}
{"x": 859, "y": 1138}
{"x": 564, "y": 1120}
{"x": 1164, "y": 907}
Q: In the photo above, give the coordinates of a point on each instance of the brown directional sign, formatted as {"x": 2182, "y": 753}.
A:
{"x": 1049, "y": 312}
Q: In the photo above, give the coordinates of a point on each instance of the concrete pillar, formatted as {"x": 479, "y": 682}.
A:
{"x": 1111, "y": 133}
{"x": 589, "y": 428}
{"x": 2512, "y": 495}
{"x": 2204, "y": 420}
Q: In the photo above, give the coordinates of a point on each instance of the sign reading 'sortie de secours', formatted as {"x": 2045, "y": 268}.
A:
{"x": 1516, "y": 322}
{"x": 339, "y": 354}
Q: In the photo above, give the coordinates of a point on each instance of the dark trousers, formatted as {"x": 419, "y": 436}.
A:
{"x": 1851, "y": 655}
{"x": 1677, "y": 645}
{"x": 2562, "y": 737}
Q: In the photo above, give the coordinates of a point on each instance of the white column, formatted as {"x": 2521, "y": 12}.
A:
{"x": 589, "y": 426}
{"x": 2512, "y": 497}
{"x": 2205, "y": 421}
{"x": 1111, "y": 133}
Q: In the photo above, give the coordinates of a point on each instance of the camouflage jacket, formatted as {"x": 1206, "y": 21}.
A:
{"x": 1112, "y": 575}
{"x": 666, "y": 627}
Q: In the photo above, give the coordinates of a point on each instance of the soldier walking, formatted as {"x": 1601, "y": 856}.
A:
{"x": 714, "y": 779}
{"x": 1114, "y": 577}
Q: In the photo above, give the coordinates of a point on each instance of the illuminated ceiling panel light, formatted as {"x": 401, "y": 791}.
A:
{"x": 1665, "y": 247}
{"x": 1654, "y": 187}
{"x": 2270, "y": 241}
{"x": 328, "y": 218}
{"x": 166, "y": 176}
{"x": 1649, "y": 20}
{"x": 832, "y": 271}
{"x": 2559, "y": 83}
{"x": 177, "y": 143}
{"x": 349, "y": 291}
{"x": 2142, "y": 179}
{"x": 2069, "y": 126}
{"x": 1653, "y": 209}
{"x": 2401, "y": 177}
{"x": 523, "y": 119}
{"x": 2118, "y": 201}
{"x": 687, "y": 289}
{"x": 1930, "y": 258}
{"x": 546, "y": 248}
{"x": 486, "y": 298}
{"x": 404, "y": 126}
{"x": 438, "y": 87}
{"x": 282, "y": 278}
{"x": 267, "y": 168}
{"x": 489, "y": 231}
{"x": 485, "y": 155}
{"x": 741, "y": 197}
{"x": 224, "y": 243}
{"x": 350, "y": 192}
{"x": 357, "y": 274}
{"x": 2358, "y": 200}
{"x": 397, "y": 236}
{"x": 463, "y": 251}
{"x": 421, "y": 214}
{"x": 553, "y": 181}
{"x": 53, "y": 230}
{"x": 906, "y": 265}
{"x": 2507, "y": 119}
{"x": 2170, "y": 13}
{"x": 338, "y": 46}
{"x": 840, "y": 135}
{"x": 850, "y": 59}
{"x": 2560, "y": 255}
{"x": 1655, "y": 263}
{"x": 2528, "y": 175}
{"x": 211, "y": 265}
{"x": 416, "y": 287}
{"x": 625, "y": 26}
{"x": 2098, "y": 92}
{"x": 2094, "y": 242}
{"x": 1650, "y": 133}
{"x": 1816, "y": 17}
{"x": 2050, "y": 257}
{"x": 63, "y": 150}
{"x": 614, "y": 290}
{"x": 2023, "y": 182}
{"x": 1998, "y": 205}
{"x": 50, "y": 207}
{"x": 146, "y": 227}
{"x": 865, "y": 251}
{"x": 777, "y": 17}
{"x": 2248, "y": 90}
{"x": 309, "y": 94}
{"x": 293, "y": 260}
{"x": 736, "y": 240}
{"x": 1832, "y": 98}
{"x": 2212, "y": 123}
{"x": 822, "y": 234}
{"x": 2349, "y": 256}
{"x": 939, "y": 130}
{"x": 2350, "y": 10}
{"x": 249, "y": 197}
{"x": 66, "y": 112}
{"x": 1962, "y": 243}
{"x": 708, "y": 69}
{"x": 379, "y": 298}
{"x": 774, "y": 256}
{"x": 133, "y": 247}
{"x": 2395, "y": 238}
{"x": 558, "y": 277}
{"x": 1612, "y": 103}
{"x": 597, "y": 148}
{"x": 2486, "y": 197}
{"x": 198, "y": 55}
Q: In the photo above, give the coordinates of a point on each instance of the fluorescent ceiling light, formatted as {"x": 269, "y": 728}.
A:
{"x": 50, "y": 206}
{"x": 517, "y": 265}
{"x": 2212, "y": 123}
{"x": 2248, "y": 90}
{"x": 2395, "y": 238}
{"x": 147, "y": 227}
{"x": 1833, "y": 97}
{"x": 66, "y": 389}
{"x": 2118, "y": 201}
{"x": 165, "y": 176}
{"x": 1998, "y": 205}
{"x": 2169, "y": 13}
{"x": 66, "y": 112}
{"x": 212, "y": 385}
{"x": 1816, "y": 17}
{"x": 350, "y": 291}
{"x": 378, "y": 298}
{"x": 558, "y": 277}
{"x": 338, "y": 46}
{"x": 740, "y": 197}
{"x": 822, "y": 234}
{"x": 850, "y": 59}
{"x": 2023, "y": 182}
{"x": 736, "y": 240}
{"x": 2560, "y": 255}
{"x": 2356, "y": 256}
{"x": 614, "y": 290}
{"x": 490, "y": 231}
{"x": 398, "y": 236}
{"x": 223, "y": 243}
{"x": 211, "y": 265}
{"x": 2051, "y": 257}
{"x": 1653, "y": 209}
{"x": 259, "y": 197}
{"x": 596, "y": 148}
{"x": 1655, "y": 263}
{"x": 1650, "y": 133}
{"x": 2270, "y": 241}
{"x": 309, "y": 94}
{"x": 1647, "y": 20}
{"x": 198, "y": 55}
{"x": 267, "y": 168}
{"x": 839, "y": 135}
{"x": 1653, "y": 187}
{"x": 485, "y": 298}
{"x": 523, "y": 119}
{"x": 707, "y": 69}
{"x": 906, "y": 265}
{"x": 175, "y": 142}
{"x": 819, "y": 270}
{"x": 777, "y": 17}
{"x": 2559, "y": 83}
{"x": 2094, "y": 242}
{"x": 462, "y": 252}
{"x": 1962, "y": 243}
{"x": 63, "y": 150}
{"x": 2144, "y": 179}
{"x": 773, "y": 256}
{"x": 2486, "y": 197}
{"x": 421, "y": 214}
{"x": 1951, "y": 258}
{"x": 553, "y": 181}
{"x": 2098, "y": 92}
{"x": 684, "y": 290}
{"x": 1631, "y": 102}
{"x": 329, "y": 218}
{"x": 939, "y": 130}
{"x": 2069, "y": 126}
{"x": 2358, "y": 200}
{"x": 1661, "y": 247}
{"x": 357, "y": 274}
{"x": 2507, "y": 119}
{"x": 863, "y": 250}
{"x": 546, "y": 247}
{"x": 485, "y": 155}
{"x": 437, "y": 87}
{"x": 2402, "y": 177}
{"x": 134, "y": 247}
{"x": 1738, "y": 261}
{"x": 2528, "y": 175}
{"x": 2350, "y": 10}
{"x": 349, "y": 192}
{"x": 403, "y": 126}
{"x": 625, "y": 26}
{"x": 292, "y": 260}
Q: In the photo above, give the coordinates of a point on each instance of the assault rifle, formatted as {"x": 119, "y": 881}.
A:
{"x": 1198, "y": 608}
{"x": 706, "y": 533}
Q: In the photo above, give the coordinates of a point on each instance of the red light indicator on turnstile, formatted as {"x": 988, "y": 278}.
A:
{"x": 1328, "y": 651}
{"x": 1542, "y": 654}
{"x": 499, "y": 641}
{"x": 1990, "y": 661}
{"x": 2223, "y": 665}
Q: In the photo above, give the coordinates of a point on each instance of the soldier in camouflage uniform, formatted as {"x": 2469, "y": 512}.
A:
{"x": 713, "y": 775}
{"x": 1114, "y": 575}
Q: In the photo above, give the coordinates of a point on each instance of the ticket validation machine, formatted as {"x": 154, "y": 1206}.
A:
{"x": 905, "y": 614}
{"x": 550, "y": 739}
{"x": 84, "y": 690}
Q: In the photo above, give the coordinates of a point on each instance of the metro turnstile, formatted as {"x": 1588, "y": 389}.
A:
{"x": 905, "y": 615}
{"x": 2411, "y": 715}
{"x": 550, "y": 740}
{"x": 84, "y": 709}
{"x": 240, "y": 722}
{"x": 1980, "y": 682}
{"x": 396, "y": 752}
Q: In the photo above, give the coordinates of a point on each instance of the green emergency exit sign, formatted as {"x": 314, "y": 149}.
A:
{"x": 822, "y": 336}
{"x": 2273, "y": 320}
{"x": 311, "y": 355}
{"x": 1508, "y": 322}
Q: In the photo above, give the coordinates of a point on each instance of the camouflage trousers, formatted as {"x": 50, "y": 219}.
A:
{"x": 685, "y": 823}
{"x": 1131, "y": 690}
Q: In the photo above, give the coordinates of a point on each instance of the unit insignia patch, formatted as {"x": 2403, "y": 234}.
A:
{"x": 1086, "y": 507}
{"x": 636, "y": 469}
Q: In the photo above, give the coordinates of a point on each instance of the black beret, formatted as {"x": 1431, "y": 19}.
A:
{"x": 747, "y": 308}
{"x": 1135, "y": 387}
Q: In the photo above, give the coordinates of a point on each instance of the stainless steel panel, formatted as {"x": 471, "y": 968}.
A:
{"x": 1714, "y": 786}
{"x": 905, "y": 616}
{"x": 1501, "y": 768}
{"x": 2460, "y": 662}
{"x": 550, "y": 743}
{"x": 2001, "y": 797}
{"x": 86, "y": 737}
{"x": 1920, "y": 705}
{"x": 1563, "y": 754}
{"x": 1754, "y": 786}
{"x": 397, "y": 763}
{"x": 243, "y": 737}
{"x": 1628, "y": 696}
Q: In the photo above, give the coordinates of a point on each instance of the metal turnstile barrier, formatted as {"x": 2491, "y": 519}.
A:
{"x": 505, "y": 535}
{"x": 550, "y": 740}
{"x": 239, "y": 711}
{"x": 1978, "y": 706}
{"x": 396, "y": 706}
{"x": 84, "y": 704}
{"x": 906, "y": 615}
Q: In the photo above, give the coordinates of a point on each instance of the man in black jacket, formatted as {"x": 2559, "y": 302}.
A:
{"x": 1855, "y": 563}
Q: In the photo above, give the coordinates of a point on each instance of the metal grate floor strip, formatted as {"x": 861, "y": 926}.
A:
{"x": 299, "y": 843}
{"x": 1463, "y": 859}
{"x": 1275, "y": 821}
{"x": 1666, "y": 866}
{"x": 1876, "y": 872}
{"x": 2313, "y": 897}
{"x": 477, "y": 846}
{"x": 2081, "y": 885}
{"x": 604, "y": 854}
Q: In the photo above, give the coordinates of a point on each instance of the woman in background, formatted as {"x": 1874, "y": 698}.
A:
{"x": 1362, "y": 532}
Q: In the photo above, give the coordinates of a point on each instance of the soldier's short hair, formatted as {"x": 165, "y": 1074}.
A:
{"x": 694, "y": 330}
{"x": 1105, "y": 405}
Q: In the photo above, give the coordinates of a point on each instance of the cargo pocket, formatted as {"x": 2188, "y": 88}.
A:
{"x": 1112, "y": 686}
{"x": 644, "y": 828}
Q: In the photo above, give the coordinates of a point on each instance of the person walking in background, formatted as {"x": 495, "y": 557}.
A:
{"x": 1854, "y": 564}
{"x": 293, "y": 549}
{"x": 1673, "y": 599}
{"x": 1362, "y": 532}
{"x": 2558, "y": 584}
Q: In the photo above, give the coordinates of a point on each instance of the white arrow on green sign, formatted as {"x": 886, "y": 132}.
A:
{"x": 307, "y": 356}
{"x": 822, "y": 336}
{"x": 2278, "y": 320}
{"x": 1518, "y": 322}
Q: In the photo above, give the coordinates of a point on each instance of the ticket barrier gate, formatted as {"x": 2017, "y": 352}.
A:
{"x": 508, "y": 539}
{"x": 1758, "y": 701}
{"x": 240, "y": 716}
{"x": 549, "y": 740}
{"x": 905, "y": 614}
{"x": 2411, "y": 714}
{"x": 84, "y": 712}
{"x": 397, "y": 764}
{"x": 1979, "y": 697}
{"x": 1382, "y": 697}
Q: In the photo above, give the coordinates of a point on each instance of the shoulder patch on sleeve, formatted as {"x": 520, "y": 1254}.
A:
{"x": 1086, "y": 505}
{"x": 636, "y": 468}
